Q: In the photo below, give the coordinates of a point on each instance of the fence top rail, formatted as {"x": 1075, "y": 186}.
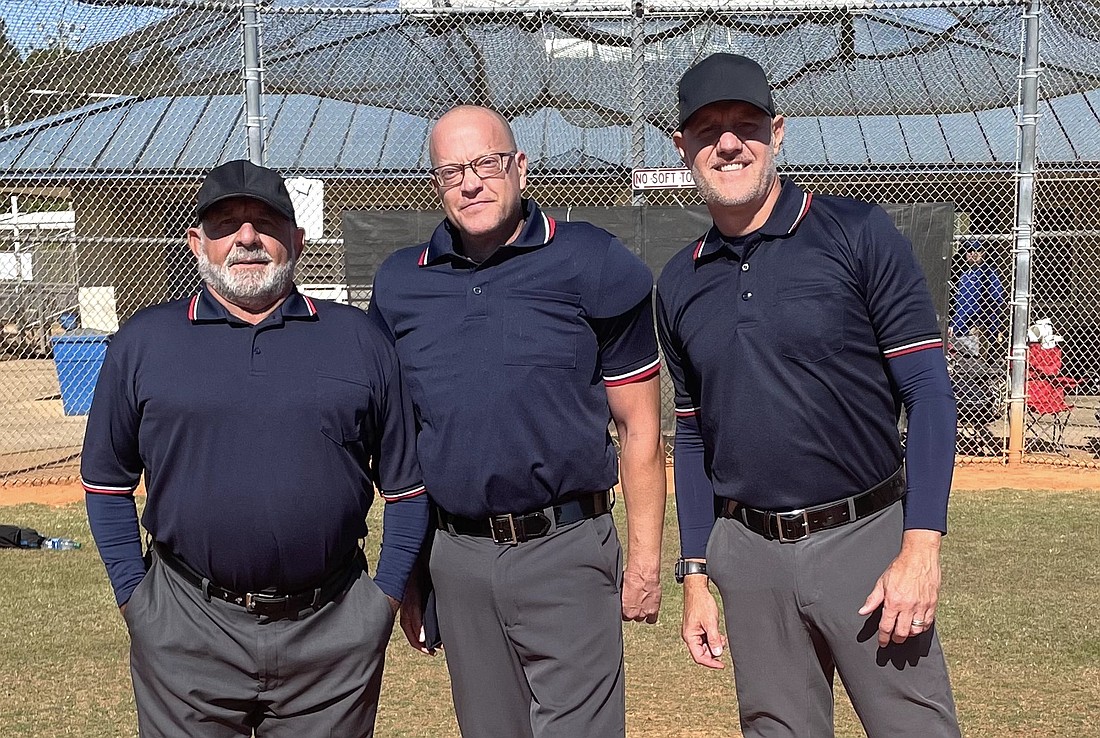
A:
{"x": 623, "y": 7}
{"x": 226, "y": 5}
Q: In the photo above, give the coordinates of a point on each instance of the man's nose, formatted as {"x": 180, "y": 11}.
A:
{"x": 247, "y": 235}
{"x": 470, "y": 181}
{"x": 729, "y": 141}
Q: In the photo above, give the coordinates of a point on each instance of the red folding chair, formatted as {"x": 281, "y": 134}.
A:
{"x": 1048, "y": 412}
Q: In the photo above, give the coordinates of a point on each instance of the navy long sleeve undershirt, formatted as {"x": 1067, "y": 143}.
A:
{"x": 114, "y": 523}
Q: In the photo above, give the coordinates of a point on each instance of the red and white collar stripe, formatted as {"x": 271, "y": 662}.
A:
{"x": 548, "y": 227}
{"x": 193, "y": 308}
{"x": 806, "y": 198}
{"x": 699, "y": 248}
{"x": 309, "y": 304}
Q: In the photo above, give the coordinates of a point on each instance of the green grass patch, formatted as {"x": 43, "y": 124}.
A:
{"x": 1017, "y": 619}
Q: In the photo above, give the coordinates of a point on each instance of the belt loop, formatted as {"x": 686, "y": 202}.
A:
{"x": 852, "y": 508}
{"x": 205, "y": 589}
{"x": 553, "y": 518}
{"x": 316, "y": 599}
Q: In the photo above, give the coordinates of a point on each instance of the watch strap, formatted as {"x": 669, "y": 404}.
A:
{"x": 685, "y": 568}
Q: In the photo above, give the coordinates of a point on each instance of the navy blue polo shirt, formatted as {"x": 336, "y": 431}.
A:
{"x": 259, "y": 444}
{"x": 777, "y": 343}
{"x": 508, "y": 360}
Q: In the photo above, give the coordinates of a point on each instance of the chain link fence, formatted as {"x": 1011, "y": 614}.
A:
{"x": 113, "y": 112}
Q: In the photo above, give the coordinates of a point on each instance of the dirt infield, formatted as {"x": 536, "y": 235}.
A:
{"x": 967, "y": 477}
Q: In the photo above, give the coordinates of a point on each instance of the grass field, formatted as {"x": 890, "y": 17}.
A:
{"x": 1018, "y": 619}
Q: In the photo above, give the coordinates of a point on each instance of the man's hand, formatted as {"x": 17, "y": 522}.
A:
{"x": 641, "y": 593}
{"x": 636, "y": 409}
{"x": 412, "y": 614}
{"x": 700, "y": 632}
{"x": 122, "y": 609}
{"x": 909, "y": 589}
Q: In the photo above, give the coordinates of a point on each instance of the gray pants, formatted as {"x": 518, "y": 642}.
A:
{"x": 792, "y": 621}
{"x": 533, "y": 632}
{"x": 211, "y": 670}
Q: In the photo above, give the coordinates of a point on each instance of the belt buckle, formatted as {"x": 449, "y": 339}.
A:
{"x": 799, "y": 516}
{"x": 503, "y": 529}
{"x": 255, "y": 600}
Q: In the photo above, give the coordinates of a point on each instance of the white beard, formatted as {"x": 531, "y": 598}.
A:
{"x": 253, "y": 289}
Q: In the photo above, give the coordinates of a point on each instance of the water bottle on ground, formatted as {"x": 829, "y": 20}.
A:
{"x": 60, "y": 544}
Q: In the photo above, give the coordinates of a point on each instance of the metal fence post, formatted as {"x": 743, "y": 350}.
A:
{"x": 1023, "y": 231}
{"x": 637, "y": 115}
{"x": 252, "y": 75}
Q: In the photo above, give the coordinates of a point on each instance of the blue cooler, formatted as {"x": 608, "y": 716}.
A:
{"x": 78, "y": 356}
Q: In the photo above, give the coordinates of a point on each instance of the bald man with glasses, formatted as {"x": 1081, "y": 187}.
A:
{"x": 521, "y": 338}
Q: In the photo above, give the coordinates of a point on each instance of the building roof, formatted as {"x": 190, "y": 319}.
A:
{"x": 311, "y": 134}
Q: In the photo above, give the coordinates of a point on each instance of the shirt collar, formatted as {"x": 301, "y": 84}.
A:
{"x": 789, "y": 211}
{"x": 538, "y": 230}
{"x": 205, "y": 308}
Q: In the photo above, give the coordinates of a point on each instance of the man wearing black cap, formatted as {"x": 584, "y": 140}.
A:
{"x": 262, "y": 421}
{"x": 792, "y": 329}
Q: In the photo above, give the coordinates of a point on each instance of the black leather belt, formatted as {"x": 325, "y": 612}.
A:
{"x": 510, "y": 529}
{"x": 795, "y": 525}
{"x": 267, "y": 604}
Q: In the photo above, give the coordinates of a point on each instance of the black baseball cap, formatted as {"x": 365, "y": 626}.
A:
{"x": 722, "y": 77}
{"x": 242, "y": 178}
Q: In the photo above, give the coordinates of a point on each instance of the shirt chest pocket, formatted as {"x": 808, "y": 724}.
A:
{"x": 810, "y": 323}
{"x": 343, "y": 404}
{"x": 542, "y": 328}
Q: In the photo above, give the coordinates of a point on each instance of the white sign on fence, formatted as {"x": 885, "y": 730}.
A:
{"x": 663, "y": 178}
{"x": 308, "y": 196}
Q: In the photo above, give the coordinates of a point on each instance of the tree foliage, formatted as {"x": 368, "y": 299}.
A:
{"x": 9, "y": 54}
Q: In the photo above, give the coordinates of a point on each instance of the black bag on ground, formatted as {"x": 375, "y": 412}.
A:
{"x": 12, "y": 536}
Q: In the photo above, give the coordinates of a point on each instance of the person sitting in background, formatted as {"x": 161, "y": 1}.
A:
{"x": 977, "y": 319}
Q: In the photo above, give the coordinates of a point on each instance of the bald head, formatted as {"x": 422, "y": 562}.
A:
{"x": 456, "y": 121}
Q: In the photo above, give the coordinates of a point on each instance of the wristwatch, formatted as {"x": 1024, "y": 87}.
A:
{"x": 684, "y": 568}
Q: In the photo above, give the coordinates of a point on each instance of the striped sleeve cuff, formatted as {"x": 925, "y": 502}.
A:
{"x": 106, "y": 489}
{"x": 687, "y": 412}
{"x": 402, "y": 494}
{"x": 640, "y": 374}
{"x": 913, "y": 346}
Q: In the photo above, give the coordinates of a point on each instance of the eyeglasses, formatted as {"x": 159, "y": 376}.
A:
{"x": 485, "y": 167}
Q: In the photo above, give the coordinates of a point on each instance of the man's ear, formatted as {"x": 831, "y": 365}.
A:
{"x": 521, "y": 169}
{"x": 778, "y": 129}
{"x": 299, "y": 242}
{"x": 678, "y": 142}
{"x": 194, "y": 240}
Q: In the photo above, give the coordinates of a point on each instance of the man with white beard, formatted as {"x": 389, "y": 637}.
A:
{"x": 263, "y": 421}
